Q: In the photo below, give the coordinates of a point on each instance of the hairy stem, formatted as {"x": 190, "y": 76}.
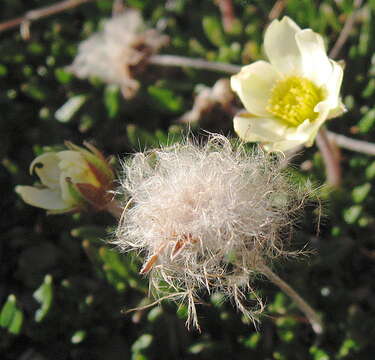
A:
{"x": 310, "y": 313}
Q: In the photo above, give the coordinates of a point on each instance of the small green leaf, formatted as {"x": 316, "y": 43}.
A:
{"x": 112, "y": 100}
{"x": 360, "y": 192}
{"x": 367, "y": 122}
{"x": 213, "y": 30}
{"x": 318, "y": 354}
{"x": 165, "y": 98}
{"x": 44, "y": 295}
{"x": 16, "y": 323}
{"x": 8, "y": 311}
{"x": 78, "y": 337}
{"x": 352, "y": 214}
{"x": 142, "y": 343}
{"x": 62, "y": 76}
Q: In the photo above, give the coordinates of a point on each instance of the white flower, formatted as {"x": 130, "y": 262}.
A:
{"x": 288, "y": 98}
{"x": 70, "y": 179}
{"x": 119, "y": 52}
{"x": 206, "y": 218}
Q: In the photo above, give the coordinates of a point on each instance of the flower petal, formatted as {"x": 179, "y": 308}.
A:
{"x": 315, "y": 63}
{"x": 252, "y": 128}
{"x": 254, "y": 84}
{"x": 49, "y": 173}
{"x": 273, "y": 134}
{"x": 43, "y": 198}
{"x": 281, "y": 47}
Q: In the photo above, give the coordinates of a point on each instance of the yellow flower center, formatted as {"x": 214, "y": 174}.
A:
{"x": 293, "y": 100}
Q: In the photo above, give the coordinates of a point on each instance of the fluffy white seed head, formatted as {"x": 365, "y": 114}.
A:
{"x": 118, "y": 52}
{"x": 206, "y": 217}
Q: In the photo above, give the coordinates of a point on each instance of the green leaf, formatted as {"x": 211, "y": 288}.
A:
{"x": 8, "y": 311}
{"x": 78, "y": 337}
{"x": 352, "y": 214}
{"x": 165, "y": 98}
{"x": 62, "y": 76}
{"x": 142, "y": 343}
{"x": 367, "y": 122}
{"x": 16, "y": 323}
{"x": 112, "y": 100}
{"x": 213, "y": 30}
{"x": 360, "y": 192}
{"x": 44, "y": 295}
{"x": 11, "y": 317}
{"x": 318, "y": 354}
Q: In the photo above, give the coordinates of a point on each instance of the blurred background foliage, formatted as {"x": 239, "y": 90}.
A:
{"x": 63, "y": 290}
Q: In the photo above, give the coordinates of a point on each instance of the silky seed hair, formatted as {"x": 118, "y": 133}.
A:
{"x": 207, "y": 218}
{"x": 119, "y": 52}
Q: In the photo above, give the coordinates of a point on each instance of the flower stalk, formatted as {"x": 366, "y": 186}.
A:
{"x": 311, "y": 314}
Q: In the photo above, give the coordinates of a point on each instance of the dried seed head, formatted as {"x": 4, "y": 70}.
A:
{"x": 119, "y": 52}
{"x": 206, "y": 217}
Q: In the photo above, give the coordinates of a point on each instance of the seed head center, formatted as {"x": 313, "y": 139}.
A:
{"x": 293, "y": 100}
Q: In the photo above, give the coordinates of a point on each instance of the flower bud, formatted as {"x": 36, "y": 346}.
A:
{"x": 71, "y": 180}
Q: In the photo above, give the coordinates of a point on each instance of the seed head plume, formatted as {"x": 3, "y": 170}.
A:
{"x": 118, "y": 53}
{"x": 207, "y": 218}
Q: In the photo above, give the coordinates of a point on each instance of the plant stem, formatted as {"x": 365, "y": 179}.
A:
{"x": 40, "y": 13}
{"x": 331, "y": 159}
{"x": 345, "y": 142}
{"x": 345, "y": 32}
{"x": 182, "y": 61}
{"x": 310, "y": 313}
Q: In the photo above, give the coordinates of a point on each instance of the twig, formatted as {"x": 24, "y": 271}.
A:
{"x": 345, "y": 142}
{"x": 345, "y": 32}
{"x": 310, "y": 313}
{"x": 37, "y": 14}
{"x": 227, "y": 13}
{"x": 331, "y": 161}
{"x": 277, "y": 9}
{"x": 181, "y": 61}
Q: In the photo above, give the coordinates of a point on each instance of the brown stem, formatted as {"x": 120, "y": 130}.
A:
{"x": 345, "y": 32}
{"x": 277, "y": 9}
{"x": 330, "y": 157}
{"x": 37, "y": 14}
{"x": 227, "y": 14}
{"x": 310, "y": 313}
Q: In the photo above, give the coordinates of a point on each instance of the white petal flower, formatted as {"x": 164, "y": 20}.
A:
{"x": 289, "y": 98}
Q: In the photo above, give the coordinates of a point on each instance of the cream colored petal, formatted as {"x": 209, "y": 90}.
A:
{"x": 48, "y": 172}
{"x": 251, "y": 128}
{"x": 333, "y": 85}
{"x": 253, "y": 85}
{"x": 339, "y": 110}
{"x": 315, "y": 63}
{"x": 42, "y": 198}
{"x": 281, "y": 47}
